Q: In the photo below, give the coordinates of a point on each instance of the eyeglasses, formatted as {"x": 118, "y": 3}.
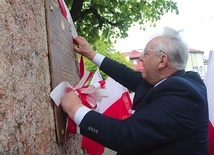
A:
{"x": 155, "y": 52}
{"x": 162, "y": 51}
{"x": 145, "y": 52}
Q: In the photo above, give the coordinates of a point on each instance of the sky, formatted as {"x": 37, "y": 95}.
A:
{"x": 196, "y": 19}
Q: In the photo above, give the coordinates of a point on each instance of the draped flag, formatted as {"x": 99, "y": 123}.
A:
{"x": 89, "y": 94}
{"x": 209, "y": 82}
{"x": 116, "y": 105}
{"x": 92, "y": 147}
{"x": 71, "y": 126}
{"x": 65, "y": 12}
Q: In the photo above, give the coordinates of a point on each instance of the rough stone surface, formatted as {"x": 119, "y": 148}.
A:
{"x": 26, "y": 112}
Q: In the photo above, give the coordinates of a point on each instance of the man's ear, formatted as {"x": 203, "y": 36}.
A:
{"x": 163, "y": 59}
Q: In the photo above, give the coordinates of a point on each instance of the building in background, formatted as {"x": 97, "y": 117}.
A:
{"x": 134, "y": 56}
{"x": 195, "y": 62}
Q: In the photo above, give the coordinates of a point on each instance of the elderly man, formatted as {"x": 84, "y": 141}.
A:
{"x": 169, "y": 119}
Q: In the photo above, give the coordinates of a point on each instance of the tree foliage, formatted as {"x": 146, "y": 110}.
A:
{"x": 99, "y": 21}
{"x": 112, "y": 18}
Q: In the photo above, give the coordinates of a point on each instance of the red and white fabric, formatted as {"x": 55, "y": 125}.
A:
{"x": 116, "y": 105}
{"x": 209, "y": 81}
{"x": 65, "y": 12}
{"x": 89, "y": 94}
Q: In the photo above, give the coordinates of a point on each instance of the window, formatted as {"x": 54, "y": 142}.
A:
{"x": 134, "y": 61}
{"x": 195, "y": 69}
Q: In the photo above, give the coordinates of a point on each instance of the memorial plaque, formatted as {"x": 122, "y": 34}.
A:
{"x": 62, "y": 58}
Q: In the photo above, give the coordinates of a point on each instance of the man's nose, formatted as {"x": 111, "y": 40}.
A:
{"x": 141, "y": 58}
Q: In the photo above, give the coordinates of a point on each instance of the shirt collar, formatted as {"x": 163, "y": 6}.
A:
{"x": 159, "y": 82}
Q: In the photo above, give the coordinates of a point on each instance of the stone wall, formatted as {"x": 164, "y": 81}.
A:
{"x": 26, "y": 112}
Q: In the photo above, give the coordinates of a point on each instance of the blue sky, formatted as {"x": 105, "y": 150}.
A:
{"x": 196, "y": 19}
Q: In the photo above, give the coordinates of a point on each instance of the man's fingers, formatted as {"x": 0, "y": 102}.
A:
{"x": 76, "y": 46}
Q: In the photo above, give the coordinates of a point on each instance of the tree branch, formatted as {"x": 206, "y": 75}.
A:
{"x": 101, "y": 20}
{"x": 76, "y": 13}
{"x": 76, "y": 9}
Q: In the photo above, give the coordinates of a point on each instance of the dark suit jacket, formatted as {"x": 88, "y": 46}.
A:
{"x": 170, "y": 119}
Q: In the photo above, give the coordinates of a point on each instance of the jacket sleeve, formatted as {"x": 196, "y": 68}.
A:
{"x": 167, "y": 116}
{"x": 122, "y": 74}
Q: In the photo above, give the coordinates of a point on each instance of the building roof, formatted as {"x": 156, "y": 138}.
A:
{"x": 195, "y": 51}
{"x": 133, "y": 54}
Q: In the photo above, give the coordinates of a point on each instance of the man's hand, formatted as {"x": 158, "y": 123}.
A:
{"x": 83, "y": 48}
{"x": 71, "y": 103}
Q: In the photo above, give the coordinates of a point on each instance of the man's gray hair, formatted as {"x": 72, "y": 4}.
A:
{"x": 174, "y": 46}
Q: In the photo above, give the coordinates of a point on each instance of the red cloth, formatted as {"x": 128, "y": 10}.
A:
{"x": 211, "y": 139}
{"x": 117, "y": 105}
{"x": 63, "y": 9}
{"x": 92, "y": 147}
{"x": 118, "y": 109}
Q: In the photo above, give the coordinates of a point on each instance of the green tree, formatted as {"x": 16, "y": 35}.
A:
{"x": 112, "y": 18}
{"x": 101, "y": 21}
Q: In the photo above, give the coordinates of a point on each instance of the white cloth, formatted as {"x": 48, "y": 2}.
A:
{"x": 81, "y": 112}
